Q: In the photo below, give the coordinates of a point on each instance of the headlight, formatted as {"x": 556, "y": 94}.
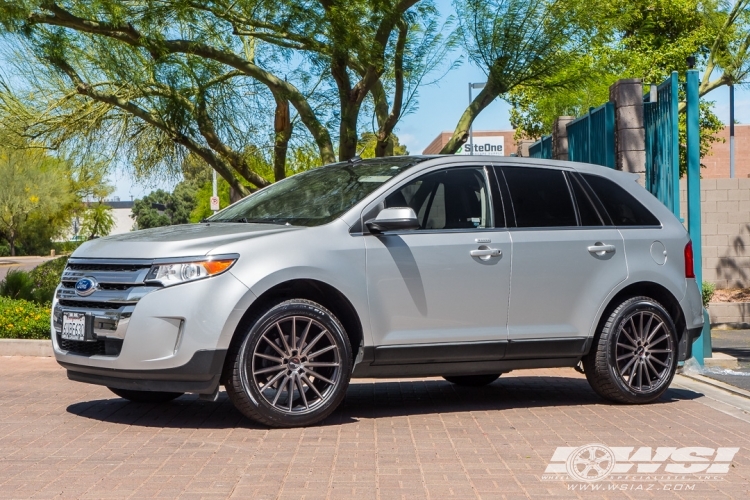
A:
{"x": 174, "y": 273}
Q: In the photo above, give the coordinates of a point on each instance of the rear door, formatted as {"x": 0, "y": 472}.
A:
{"x": 565, "y": 262}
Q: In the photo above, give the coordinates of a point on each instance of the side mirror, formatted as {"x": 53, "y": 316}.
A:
{"x": 393, "y": 219}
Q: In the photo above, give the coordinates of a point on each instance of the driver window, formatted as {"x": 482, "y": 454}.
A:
{"x": 455, "y": 198}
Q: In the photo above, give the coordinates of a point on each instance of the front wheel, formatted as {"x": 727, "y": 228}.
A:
{"x": 292, "y": 367}
{"x": 145, "y": 396}
{"x": 634, "y": 356}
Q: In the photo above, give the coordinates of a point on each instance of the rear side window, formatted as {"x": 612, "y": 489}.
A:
{"x": 589, "y": 215}
{"x": 623, "y": 208}
{"x": 540, "y": 197}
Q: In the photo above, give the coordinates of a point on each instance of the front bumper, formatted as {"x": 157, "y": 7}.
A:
{"x": 200, "y": 375}
{"x": 173, "y": 339}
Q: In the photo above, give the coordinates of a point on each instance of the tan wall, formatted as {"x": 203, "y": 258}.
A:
{"x": 725, "y": 220}
{"x": 717, "y": 160}
{"x": 441, "y": 140}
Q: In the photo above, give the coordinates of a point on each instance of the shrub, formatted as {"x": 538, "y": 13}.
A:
{"x": 37, "y": 285}
{"x": 45, "y": 279}
{"x": 16, "y": 285}
{"x": 708, "y": 292}
{"x": 21, "y": 319}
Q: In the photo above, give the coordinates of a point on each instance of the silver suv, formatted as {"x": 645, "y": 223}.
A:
{"x": 460, "y": 267}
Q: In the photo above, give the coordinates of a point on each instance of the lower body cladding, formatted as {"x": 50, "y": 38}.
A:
{"x": 174, "y": 339}
{"x": 472, "y": 358}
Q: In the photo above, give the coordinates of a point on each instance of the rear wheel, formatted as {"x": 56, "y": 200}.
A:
{"x": 634, "y": 356}
{"x": 292, "y": 367}
{"x": 145, "y": 396}
{"x": 472, "y": 380}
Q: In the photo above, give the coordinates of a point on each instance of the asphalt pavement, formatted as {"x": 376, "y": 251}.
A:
{"x": 27, "y": 263}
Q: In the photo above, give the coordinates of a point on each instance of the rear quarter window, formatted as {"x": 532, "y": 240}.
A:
{"x": 623, "y": 208}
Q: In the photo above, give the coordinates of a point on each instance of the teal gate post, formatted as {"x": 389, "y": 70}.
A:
{"x": 542, "y": 148}
{"x": 591, "y": 138}
{"x": 694, "y": 202}
{"x": 662, "y": 145}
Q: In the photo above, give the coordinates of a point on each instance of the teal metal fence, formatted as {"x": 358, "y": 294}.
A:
{"x": 662, "y": 144}
{"x": 591, "y": 138}
{"x": 542, "y": 148}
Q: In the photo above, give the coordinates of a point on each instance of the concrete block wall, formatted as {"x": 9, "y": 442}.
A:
{"x": 725, "y": 217}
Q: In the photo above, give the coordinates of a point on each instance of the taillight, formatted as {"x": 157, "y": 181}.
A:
{"x": 689, "y": 267}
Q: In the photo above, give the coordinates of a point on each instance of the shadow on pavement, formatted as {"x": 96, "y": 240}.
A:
{"x": 368, "y": 400}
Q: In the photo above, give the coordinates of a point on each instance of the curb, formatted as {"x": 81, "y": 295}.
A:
{"x": 721, "y": 360}
{"x": 24, "y": 347}
{"x": 718, "y": 384}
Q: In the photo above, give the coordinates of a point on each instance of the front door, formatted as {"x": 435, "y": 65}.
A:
{"x": 445, "y": 285}
{"x": 565, "y": 262}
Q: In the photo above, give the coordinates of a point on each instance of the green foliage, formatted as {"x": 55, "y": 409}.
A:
{"x": 32, "y": 183}
{"x": 45, "y": 278}
{"x": 37, "y": 285}
{"x": 368, "y": 141}
{"x": 708, "y": 292}
{"x": 21, "y": 319}
{"x": 160, "y": 208}
{"x": 16, "y": 285}
{"x": 97, "y": 221}
{"x": 202, "y": 207}
{"x": 645, "y": 39}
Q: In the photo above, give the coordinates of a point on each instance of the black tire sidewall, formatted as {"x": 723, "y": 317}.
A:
{"x": 623, "y": 315}
{"x": 300, "y": 308}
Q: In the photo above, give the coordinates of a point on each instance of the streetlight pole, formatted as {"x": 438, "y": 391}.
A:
{"x": 731, "y": 130}
{"x": 471, "y": 127}
{"x": 214, "y": 184}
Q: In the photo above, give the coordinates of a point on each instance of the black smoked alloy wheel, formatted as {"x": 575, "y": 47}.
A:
{"x": 292, "y": 367}
{"x": 634, "y": 356}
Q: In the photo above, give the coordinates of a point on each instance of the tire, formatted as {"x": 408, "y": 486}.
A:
{"x": 292, "y": 367}
{"x": 472, "y": 380}
{"x": 634, "y": 355}
{"x": 146, "y": 396}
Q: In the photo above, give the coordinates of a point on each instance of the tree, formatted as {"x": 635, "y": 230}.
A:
{"x": 160, "y": 208}
{"x": 32, "y": 182}
{"x": 98, "y": 221}
{"x": 369, "y": 143}
{"x": 517, "y": 42}
{"x": 163, "y": 79}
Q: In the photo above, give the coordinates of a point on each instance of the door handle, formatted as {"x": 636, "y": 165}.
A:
{"x": 601, "y": 249}
{"x": 486, "y": 253}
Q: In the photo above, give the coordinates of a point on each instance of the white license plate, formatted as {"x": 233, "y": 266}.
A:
{"x": 74, "y": 326}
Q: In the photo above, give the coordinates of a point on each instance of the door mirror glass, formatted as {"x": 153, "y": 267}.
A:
{"x": 393, "y": 219}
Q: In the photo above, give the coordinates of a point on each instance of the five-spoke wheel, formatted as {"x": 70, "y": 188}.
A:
{"x": 292, "y": 367}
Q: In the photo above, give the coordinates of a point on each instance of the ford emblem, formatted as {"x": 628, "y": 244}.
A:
{"x": 85, "y": 286}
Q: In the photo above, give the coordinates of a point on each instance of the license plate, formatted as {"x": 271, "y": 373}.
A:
{"x": 74, "y": 326}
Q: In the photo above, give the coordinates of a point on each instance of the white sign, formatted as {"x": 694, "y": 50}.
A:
{"x": 214, "y": 203}
{"x": 494, "y": 145}
{"x": 596, "y": 462}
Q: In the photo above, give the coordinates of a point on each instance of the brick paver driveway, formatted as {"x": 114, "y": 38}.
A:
{"x": 404, "y": 439}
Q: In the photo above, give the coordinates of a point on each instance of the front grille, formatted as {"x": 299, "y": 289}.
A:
{"x": 106, "y": 267}
{"x": 85, "y": 304}
{"x": 102, "y": 347}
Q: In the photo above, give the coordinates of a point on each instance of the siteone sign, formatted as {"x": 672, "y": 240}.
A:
{"x": 494, "y": 145}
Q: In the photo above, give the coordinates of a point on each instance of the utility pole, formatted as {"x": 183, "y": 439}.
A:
{"x": 731, "y": 130}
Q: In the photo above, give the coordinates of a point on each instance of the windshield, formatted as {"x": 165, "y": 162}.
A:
{"x": 317, "y": 196}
